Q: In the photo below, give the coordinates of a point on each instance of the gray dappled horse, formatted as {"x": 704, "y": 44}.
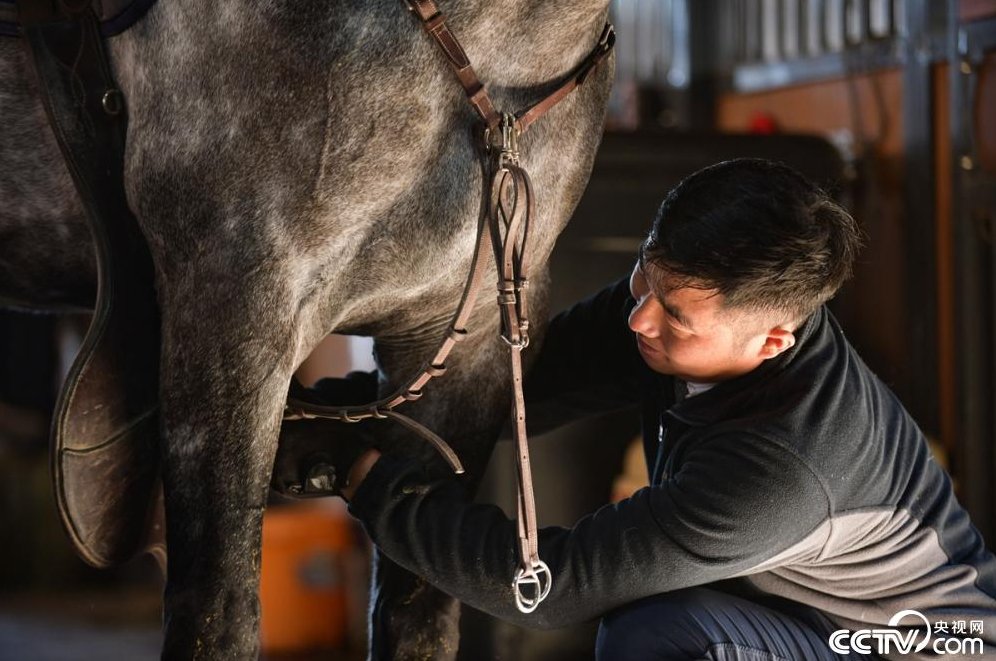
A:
{"x": 300, "y": 169}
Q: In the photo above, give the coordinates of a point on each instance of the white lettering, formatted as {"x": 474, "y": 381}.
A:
{"x": 893, "y": 640}
{"x": 968, "y": 646}
{"x": 904, "y": 642}
{"x": 858, "y": 641}
{"x": 960, "y": 646}
{"x": 835, "y": 641}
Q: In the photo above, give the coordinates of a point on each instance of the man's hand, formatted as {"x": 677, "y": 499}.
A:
{"x": 359, "y": 472}
{"x": 315, "y": 457}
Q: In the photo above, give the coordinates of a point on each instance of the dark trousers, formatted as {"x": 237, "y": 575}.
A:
{"x": 705, "y": 624}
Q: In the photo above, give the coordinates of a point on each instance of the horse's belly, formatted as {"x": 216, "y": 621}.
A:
{"x": 46, "y": 253}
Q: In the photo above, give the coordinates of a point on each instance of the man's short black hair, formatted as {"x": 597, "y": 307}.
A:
{"x": 758, "y": 232}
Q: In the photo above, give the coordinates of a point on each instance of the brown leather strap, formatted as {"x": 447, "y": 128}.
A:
{"x": 528, "y": 541}
{"x": 512, "y": 209}
{"x": 605, "y": 43}
{"x": 512, "y": 212}
{"x": 434, "y": 23}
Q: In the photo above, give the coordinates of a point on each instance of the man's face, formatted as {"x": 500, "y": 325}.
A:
{"x": 686, "y": 331}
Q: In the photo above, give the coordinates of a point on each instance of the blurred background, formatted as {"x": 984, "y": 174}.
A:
{"x": 889, "y": 104}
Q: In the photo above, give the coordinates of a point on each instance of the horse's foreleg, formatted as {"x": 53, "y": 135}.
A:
{"x": 410, "y": 619}
{"x": 225, "y": 368}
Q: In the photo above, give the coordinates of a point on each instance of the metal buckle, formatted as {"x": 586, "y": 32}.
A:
{"x": 608, "y": 38}
{"x": 534, "y": 577}
{"x": 320, "y": 480}
{"x": 519, "y": 344}
{"x": 509, "y": 140}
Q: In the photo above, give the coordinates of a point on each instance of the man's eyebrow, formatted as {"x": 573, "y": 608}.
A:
{"x": 671, "y": 309}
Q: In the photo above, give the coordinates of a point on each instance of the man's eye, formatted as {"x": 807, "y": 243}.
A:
{"x": 674, "y": 322}
{"x": 680, "y": 330}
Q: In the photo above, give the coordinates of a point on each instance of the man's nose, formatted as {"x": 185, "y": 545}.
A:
{"x": 642, "y": 319}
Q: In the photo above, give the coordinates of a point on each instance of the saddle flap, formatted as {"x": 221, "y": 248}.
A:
{"x": 105, "y": 459}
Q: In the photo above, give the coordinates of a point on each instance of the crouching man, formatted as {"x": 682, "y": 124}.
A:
{"x": 791, "y": 495}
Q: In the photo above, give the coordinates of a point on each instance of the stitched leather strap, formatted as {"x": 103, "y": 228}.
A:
{"x": 434, "y": 23}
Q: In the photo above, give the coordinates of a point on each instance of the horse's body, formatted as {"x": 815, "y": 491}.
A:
{"x": 299, "y": 169}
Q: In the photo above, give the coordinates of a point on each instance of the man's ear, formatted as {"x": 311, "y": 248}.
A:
{"x": 779, "y": 339}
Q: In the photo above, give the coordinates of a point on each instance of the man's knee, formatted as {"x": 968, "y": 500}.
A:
{"x": 662, "y": 627}
{"x": 701, "y": 623}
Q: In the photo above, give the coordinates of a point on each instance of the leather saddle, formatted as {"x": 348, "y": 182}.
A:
{"x": 105, "y": 430}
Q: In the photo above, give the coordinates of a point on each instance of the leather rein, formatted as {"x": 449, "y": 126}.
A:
{"x": 503, "y": 227}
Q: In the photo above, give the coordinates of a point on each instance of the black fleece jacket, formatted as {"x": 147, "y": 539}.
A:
{"x": 804, "y": 478}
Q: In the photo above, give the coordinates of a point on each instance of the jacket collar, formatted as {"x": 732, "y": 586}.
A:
{"x": 716, "y": 403}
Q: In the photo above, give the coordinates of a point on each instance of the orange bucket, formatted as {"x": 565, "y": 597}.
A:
{"x": 302, "y": 590}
